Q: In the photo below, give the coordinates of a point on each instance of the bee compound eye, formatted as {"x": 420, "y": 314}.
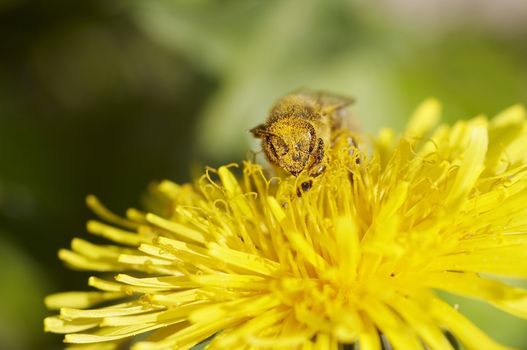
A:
{"x": 278, "y": 146}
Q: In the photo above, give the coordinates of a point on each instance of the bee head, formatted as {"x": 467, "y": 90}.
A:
{"x": 288, "y": 142}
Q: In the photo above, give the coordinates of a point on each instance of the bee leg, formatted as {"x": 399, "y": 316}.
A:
{"x": 304, "y": 187}
{"x": 318, "y": 171}
{"x": 355, "y": 147}
{"x": 351, "y": 177}
{"x": 353, "y": 152}
{"x": 317, "y": 166}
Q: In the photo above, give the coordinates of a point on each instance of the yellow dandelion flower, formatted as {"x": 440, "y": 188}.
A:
{"x": 242, "y": 259}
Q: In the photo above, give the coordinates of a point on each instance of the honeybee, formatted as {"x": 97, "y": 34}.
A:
{"x": 300, "y": 127}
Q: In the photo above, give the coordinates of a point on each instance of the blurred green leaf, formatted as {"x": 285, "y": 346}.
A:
{"x": 21, "y": 298}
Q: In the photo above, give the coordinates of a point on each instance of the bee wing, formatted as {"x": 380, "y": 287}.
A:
{"x": 330, "y": 102}
{"x": 335, "y": 106}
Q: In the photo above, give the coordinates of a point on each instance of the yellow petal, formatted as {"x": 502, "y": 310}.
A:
{"x": 180, "y": 230}
{"x": 510, "y": 299}
{"x": 114, "y": 234}
{"x": 468, "y": 334}
{"x": 101, "y": 211}
{"x": 424, "y": 118}
{"x": 79, "y": 300}
{"x": 59, "y": 325}
{"x": 395, "y": 329}
{"x": 472, "y": 162}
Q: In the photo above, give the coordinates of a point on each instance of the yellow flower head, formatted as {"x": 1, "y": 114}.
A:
{"x": 261, "y": 262}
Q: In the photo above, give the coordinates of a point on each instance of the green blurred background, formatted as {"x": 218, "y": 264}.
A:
{"x": 105, "y": 96}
